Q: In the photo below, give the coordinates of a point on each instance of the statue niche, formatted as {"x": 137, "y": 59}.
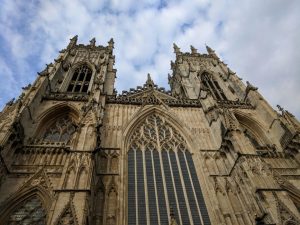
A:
{"x": 186, "y": 81}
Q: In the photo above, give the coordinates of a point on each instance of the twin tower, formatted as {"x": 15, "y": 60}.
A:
{"x": 209, "y": 151}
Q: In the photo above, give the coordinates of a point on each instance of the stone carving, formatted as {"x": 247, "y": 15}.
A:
{"x": 249, "y": 88}
{"x": 212, "y": 53}
{"x": 93, "y": 42}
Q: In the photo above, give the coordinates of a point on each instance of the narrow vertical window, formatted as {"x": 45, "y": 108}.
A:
{"x": 131, "y": 187}
{"x": 80, "y": 79}
{"x": 213, "y": 86}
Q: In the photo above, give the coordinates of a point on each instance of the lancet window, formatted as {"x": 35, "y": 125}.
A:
{"x": 61, "y": 130}
{"x": 213, "y": 86}
{"x": 162, "y": 177}
{"x": 80, "y": 79}
{"x": 29, "y": 212}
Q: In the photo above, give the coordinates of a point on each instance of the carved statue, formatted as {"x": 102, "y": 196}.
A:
{"x": 249, "y": 88}
{"x": 189, "y": 80}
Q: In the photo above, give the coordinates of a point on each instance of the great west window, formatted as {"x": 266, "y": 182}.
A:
{"x": 162, "y": 177}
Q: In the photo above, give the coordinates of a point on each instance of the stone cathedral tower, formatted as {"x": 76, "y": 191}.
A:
{"x": 210, "y": 151}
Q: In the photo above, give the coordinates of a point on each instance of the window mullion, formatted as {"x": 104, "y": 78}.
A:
{"x": 162, "y": 168}
{"x": 155, "y": 187}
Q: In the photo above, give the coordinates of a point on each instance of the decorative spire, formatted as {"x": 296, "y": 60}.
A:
{"x": 193, "y": 50}
{"x": 73, "y": 42}
{"x": 211, "y": 52}
{"x": 93, "y": 42}
{"x": 111, "y": 43}
{"x": 176, "y": 49}
{"x": 149, "y": 82}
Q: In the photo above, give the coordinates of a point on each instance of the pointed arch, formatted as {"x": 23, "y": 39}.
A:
{"x": 175, "y": 122}
{"x": 70, "y": 178}
{"x": 51, "y": 116}
{"x": 68, "y": 215}
{"x": 22, "y": 198}
{"x": 82, "y": 177}
{"x": 70, "y": 73}
{"x": 254, "y": 126}
{"x": 160, "y": 163}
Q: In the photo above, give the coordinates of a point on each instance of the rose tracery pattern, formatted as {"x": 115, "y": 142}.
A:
{"x": 61, "y": 131}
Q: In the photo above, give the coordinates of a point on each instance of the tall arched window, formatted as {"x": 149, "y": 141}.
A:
{"x": 61, "y": 130}
{"x": 80, "y": 80}
{"x": 30, "y": 211}
{"x": 161, "y": 176}
{"x": 213, "y": 86}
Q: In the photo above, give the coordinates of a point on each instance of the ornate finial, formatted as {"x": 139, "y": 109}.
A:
{"x": 193, "y": 50}
{"x": 93, "y": 42}
{"x": 75, "y": 38}
{"x": 211, "y": 52}
{"x": 249, "y": 88}
{"x": 11, "y": 102}
{"x": 281, "y": 109}
{"x": 73, "y": 42}
{"x": 111, "y": 43}
{"x": 172, "y": 65}
{"x": 27, "y": 87}
{"x": 176, "y": 48}
{"x": 209, "y": 49}
{"x": 149, "y": 82}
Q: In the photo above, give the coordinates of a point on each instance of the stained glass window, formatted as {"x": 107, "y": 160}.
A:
{"x": 31, "y": 212}
{"x": 162, "y": 177}
{"x": 61, "y": 131}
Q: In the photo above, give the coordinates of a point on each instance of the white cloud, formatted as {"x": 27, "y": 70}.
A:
{"x": 258, "y": 39}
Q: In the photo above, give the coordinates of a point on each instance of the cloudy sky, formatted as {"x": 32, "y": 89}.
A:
{"x": 260, "y": 40}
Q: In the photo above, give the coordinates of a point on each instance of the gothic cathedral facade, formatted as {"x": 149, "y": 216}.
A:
{"x": 211, "y": 151}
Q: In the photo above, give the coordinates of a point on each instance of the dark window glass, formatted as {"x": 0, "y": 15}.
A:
{"x": 151, "y": 189}
{"x": 189, "y": 189}
{"x": 140, "y": 188}
{"x": 70, "y": 88}
{"x": 213, "y": 86}
{"x": 80, "y": 79}
{"x": 198, "y": 190}
{"x": 169, "y": 184}
{"x": 131, "y": 189}
{"x": 160, "y": 190}
{"x": 81, "y": 76}
{"x": 179, "y": 190}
